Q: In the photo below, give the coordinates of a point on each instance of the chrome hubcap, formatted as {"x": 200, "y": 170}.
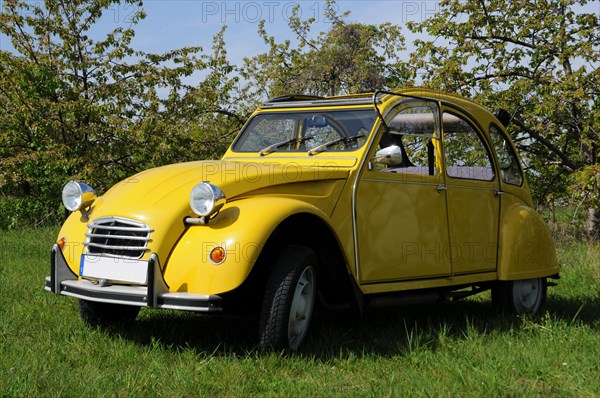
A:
{"x": 302, "y": 306}
{"x": 527, "y": 295}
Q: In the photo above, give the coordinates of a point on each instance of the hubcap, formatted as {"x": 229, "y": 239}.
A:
{"x": 527, "y": 295}
{"x": 302, "y": 306}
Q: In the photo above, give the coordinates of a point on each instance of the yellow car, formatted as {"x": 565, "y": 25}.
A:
{"x": 341, "y": 202}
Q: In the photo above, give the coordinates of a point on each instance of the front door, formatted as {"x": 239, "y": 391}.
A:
{"x": 401, "y": 220}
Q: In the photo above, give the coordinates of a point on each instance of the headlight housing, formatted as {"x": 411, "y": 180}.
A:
{"x": 77, "y": 195}
{"x": 206, "y": 199}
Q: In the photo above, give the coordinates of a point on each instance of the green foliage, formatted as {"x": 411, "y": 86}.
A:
{"x": 194, "y": 122}
{"x": 73, "y": 107}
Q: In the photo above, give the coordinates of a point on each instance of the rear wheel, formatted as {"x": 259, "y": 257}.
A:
{"x": 524, "y": 297}
{"x": 105, "y": 314}
{"x": 289, "y": 300}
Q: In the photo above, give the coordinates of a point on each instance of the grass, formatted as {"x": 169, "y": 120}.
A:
{"x": 449, "y": 349}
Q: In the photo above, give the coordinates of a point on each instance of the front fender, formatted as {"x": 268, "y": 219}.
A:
{"x": 526, "y": 246}
{"x": 242, "y": 227}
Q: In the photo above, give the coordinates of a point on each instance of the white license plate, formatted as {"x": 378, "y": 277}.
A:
{"x": 114, "y": 269}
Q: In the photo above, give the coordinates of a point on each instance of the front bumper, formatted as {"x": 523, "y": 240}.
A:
{"x": 156, "y": 295}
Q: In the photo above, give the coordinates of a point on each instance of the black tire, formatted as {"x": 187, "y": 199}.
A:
{"x": 104, "y": 314}
{"x": 289, "y": 300}
{"x": 524, "y": 297}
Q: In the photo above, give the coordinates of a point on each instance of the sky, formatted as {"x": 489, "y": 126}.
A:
{"x": 175, "y": 24}
{"x": 172, "y": 24}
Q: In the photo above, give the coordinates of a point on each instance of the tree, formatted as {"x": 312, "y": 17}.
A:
{"x": 198, "y": 121}
{"x": 96, "y": 109}
{"x": 348, "y": 58}
{"x": 540, "y": 60}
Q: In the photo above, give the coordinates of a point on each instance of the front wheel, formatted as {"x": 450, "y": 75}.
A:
{"x": 104, "y": 314}
{"x": 524, "y": 297}
{"x": 289, "y": 300}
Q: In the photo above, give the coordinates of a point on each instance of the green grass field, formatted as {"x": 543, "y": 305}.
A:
{"x": 453, "y": 349}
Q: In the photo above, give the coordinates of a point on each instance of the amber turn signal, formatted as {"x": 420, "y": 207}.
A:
{"x": 61, "y": 243}
{"x": 217, "y": 255}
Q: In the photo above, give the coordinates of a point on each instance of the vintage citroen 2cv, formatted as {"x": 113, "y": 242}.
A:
{"x": 358, "y": 201}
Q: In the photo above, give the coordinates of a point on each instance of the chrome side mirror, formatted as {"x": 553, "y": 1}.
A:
{"x": 389, "y": 156}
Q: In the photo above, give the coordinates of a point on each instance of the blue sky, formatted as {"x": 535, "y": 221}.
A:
{"x": 175, "y": 24}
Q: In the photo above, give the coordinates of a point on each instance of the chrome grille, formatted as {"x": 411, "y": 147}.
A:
{"x": 117, "y": 237}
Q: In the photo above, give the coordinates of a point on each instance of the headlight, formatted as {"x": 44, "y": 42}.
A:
{"x": 206, "y": 199}
{"x": 77, "y": 195}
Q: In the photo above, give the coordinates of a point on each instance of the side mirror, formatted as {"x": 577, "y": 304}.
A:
{"x": 389, "y": 156}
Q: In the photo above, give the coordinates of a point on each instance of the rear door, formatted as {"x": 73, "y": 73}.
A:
{"x": 472, "y": 195}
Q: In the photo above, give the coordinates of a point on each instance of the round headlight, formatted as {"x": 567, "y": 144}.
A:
{"x": 206, "y": 199}
{"x": 77, "y": 195}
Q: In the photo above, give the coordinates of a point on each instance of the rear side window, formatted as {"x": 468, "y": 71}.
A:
{"x": 466, "y": 155}
{"x": 507, "y": 158}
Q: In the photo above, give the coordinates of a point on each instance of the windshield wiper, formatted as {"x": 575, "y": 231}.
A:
{"x": 274, "y": 147}
{"x": 326, "y": 145}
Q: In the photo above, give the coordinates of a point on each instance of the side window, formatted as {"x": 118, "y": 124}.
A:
{"x": 413, "y": 130}
{"x": 466, "y": 154}
{"x": 507, "y": 159}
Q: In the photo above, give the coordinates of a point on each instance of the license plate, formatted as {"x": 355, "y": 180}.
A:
{"x": 114, "y": 269}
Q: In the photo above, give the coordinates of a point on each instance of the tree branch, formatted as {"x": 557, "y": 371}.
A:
{"x": 503, "y": 39}
{"x": 566, "y": 161}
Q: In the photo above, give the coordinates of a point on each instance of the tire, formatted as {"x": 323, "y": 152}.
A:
{"x": 289, "y": 300}
{"x": 103, "y": 314}
{"x": 524, "y": 297}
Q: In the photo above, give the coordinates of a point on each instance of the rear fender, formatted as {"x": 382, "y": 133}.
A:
{"x": 526, "y": 247}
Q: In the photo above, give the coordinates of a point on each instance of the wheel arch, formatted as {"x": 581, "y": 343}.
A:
{"x": 334, "y": 277}
{"x": 334, "y": 280}
{"x": 526, "y": 249}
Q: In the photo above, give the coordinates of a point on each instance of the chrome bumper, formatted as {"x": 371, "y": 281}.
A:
{"x": 156, "y": 295}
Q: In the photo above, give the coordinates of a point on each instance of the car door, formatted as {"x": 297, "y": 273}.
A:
{"x": 472, "y": 191}
{"x": 401, "y": 221}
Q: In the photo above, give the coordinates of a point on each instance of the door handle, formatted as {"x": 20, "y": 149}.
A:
{"x": 498, "y": 193}
{"x": 441, "y": 188}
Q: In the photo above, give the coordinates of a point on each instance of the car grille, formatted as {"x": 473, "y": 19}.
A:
{"x": 117, "y": 237}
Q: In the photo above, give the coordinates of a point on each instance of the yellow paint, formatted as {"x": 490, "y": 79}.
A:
{"x": 473, "y": 209}
{"x": 526, "y": 249}
{"x": 402, "y": 227}
{"x": 188, "y": 268}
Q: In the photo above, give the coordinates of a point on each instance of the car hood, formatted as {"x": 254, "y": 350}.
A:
{"x": 160, "y": 197}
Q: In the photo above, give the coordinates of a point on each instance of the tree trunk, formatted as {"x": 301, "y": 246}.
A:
{"x": 592, "y": 224}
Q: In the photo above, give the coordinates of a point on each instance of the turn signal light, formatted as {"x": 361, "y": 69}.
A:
{"x": 217, "y": 255}
{"x": 61, "y": 243}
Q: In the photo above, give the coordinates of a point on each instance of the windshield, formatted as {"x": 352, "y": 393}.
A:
{"x": 315, "y": 131}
